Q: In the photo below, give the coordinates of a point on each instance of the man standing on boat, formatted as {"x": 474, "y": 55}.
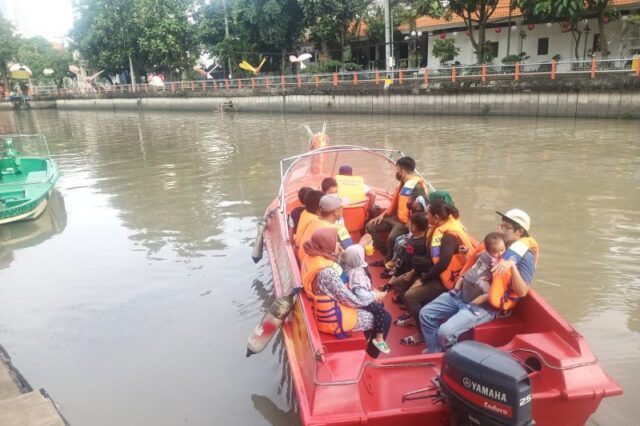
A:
{"x": 394, "y": 220}
{"x": 511, "y": 279}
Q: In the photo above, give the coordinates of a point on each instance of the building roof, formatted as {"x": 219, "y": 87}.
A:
{"x": 500, "y": 14}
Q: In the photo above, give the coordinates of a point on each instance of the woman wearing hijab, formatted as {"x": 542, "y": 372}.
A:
{"x": 336, "y": 309}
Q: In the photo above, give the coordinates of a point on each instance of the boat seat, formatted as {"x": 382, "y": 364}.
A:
{"x": 497, "y": 332}
{"x": 39, "y": 176}
{"x": 9, "y": 166}
{"x": 355, "y": 217}
{"x": 355, "y": 341}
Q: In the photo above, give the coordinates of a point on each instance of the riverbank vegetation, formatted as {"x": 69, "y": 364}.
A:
{"x": 170, "y": 37}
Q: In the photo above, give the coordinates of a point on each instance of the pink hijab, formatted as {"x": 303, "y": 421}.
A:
{"x": 323, "y": 243}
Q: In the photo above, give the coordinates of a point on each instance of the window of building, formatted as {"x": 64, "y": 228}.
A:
{"x": 543, "y": 46}
{"x": 493, "y": 47}
{"x": 596, "y": 43}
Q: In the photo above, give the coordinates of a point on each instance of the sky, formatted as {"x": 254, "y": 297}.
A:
{"x": 51, "y": 19}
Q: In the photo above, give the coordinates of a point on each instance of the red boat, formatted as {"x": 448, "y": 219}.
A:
{"x": 338, "y": 383}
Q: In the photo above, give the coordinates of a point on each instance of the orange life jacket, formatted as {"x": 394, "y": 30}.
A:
{"x": 305, "y": 218}
{"x": 401, "y": 197}
{"x": 331, "y": 316}
{"x": 316, "y": 224}
{"x": 434, "y": 240}
{"x": 351, "y": 188}
{"x": 501, "y": 295}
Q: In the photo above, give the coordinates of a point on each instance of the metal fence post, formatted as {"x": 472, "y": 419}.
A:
{"x": 226, "y": 83}
{"x": 426, "y": 75}
{"x": 335, "y": 78}
{"x": 517, "y": 72}
{"x": 593, "y": 67}
{"x": 253, "y": 82}
{"x": 355, "y": 78}
{"x": 453, "y": 73}
{"x": 317, "y": 80}
{"x": 484, "y": 73}
{"x": 267, "y": 82}
{"x": 239, "y": 83}
{"x": 400, "y": 76}
{"x": 553, "y": 69}
{"x": 377, "y": 77}
{"x": 282, "y": 82}
{"x": 298, "y": 80}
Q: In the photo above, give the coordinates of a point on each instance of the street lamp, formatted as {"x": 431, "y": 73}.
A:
{"x": 413, "y": 41}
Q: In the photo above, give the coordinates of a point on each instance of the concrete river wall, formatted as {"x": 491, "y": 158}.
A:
{"x": 605, "y": 98}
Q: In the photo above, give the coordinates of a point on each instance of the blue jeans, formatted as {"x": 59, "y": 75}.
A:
{"x": 458, "y": 316}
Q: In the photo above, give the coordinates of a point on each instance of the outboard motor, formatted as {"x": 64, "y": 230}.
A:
{"x": 485, "y": 386}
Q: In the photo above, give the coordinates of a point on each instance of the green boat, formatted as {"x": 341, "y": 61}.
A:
{"x": 27, "y": 176}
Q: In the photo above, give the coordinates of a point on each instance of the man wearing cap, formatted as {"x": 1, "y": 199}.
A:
{"x": 394, "y": 220}
{"x": 329, "y": 212}
{"x": 519, "y": 260}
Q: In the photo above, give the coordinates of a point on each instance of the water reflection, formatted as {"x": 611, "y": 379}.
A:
{"x": 20, "y": 235}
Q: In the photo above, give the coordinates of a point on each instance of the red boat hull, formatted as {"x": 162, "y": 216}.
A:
{"x": 337, "y": 383}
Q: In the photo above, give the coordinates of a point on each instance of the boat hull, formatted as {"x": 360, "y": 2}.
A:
{"x": 338, "y": 383}
{"x": 25, "y": 196}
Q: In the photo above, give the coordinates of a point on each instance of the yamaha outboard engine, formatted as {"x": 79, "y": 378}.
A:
{"x": 484, "y": 386}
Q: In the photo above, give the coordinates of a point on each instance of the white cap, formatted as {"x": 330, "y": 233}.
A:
{"x": 518, "y": 216}
{"x": 331, "y": 202}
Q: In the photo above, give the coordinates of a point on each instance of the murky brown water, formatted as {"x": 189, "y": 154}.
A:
{"x": 131, "y": 298}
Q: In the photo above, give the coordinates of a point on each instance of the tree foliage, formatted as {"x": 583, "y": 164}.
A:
{"x": 155, "y": 34}
{"x": 573, "y": 12}
{"x": 445, "y": 50}
{"x": 9, "y": 43}
{"x": 38, "y": 54}
{"x": 329, "y": 20}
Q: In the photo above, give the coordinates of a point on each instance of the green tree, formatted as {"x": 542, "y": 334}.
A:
{"x": 475, "y": 12}
{"x": 167, "y": 40}
{"x": 38, "y": 54}
{"x": 271, "y": 25}
{"x": 445, "y": 50}
{"x": 106, "y": 34}
{"x": 329, "y": 20}
{"x": 9, "y": 42}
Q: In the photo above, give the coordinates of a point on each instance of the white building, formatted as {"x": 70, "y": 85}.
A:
{"x": 541, "y": 41}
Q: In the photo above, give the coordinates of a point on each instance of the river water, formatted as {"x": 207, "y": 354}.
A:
{"x": 131, "y": 298}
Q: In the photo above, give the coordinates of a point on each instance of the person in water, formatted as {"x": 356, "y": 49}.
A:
{"x": 359, "y": 282}
{"x": 337, "y": 310}
{"x": 394, "y": 220}
{"x": 463, "y": 311}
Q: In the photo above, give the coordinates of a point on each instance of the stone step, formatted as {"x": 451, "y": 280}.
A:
{"x": 29, "y": 409}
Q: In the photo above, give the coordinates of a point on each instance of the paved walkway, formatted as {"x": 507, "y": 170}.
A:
{"x": 20, "y": 405}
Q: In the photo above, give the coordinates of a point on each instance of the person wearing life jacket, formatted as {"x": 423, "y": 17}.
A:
{"x": 447, "y": 248}
{"x": 512, "y": 276}
{"x": 294, "y": 216}
{"x": 329, "y": 213}
{"x": 310, "y": 213}
{"x": 336, "y": 309}
{"x": 394, "y": 220}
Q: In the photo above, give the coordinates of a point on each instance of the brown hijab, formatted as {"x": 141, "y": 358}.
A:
{"x": 323, "y": 243}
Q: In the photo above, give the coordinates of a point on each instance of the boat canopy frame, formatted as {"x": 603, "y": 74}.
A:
{"x": 288, "y": 164}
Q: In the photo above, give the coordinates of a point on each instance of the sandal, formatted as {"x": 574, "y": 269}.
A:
{"x": 410, "y": 341}
{"x": 377, "y": 263}
{"x": 381, "y": 346}
{"x": 403, "y": 317}
{"x": 404, "y": 323}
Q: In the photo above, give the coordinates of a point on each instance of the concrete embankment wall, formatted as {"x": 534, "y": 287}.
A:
{"x": 610, "y": 97}
{"x": 583, "y": 104}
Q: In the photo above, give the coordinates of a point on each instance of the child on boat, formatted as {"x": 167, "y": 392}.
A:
{"x": 294, "y": 216}
{"x": 474, "y": 285}
{"x": 359, "y": 282}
